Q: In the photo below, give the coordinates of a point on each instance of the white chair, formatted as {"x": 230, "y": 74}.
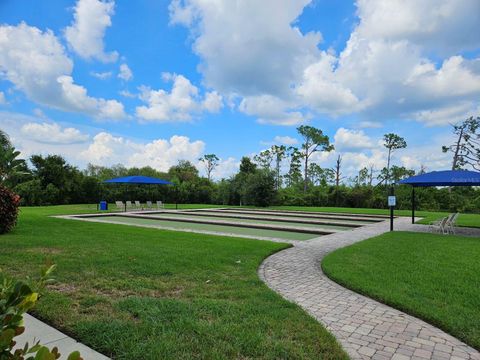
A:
{"x": 120, "y": 205}
{"x": 129, "y": 204}
{"x": 439, "y": 225}
{"x": 160, "y": 205}
{"x": 138, "y": 205}
{"x": 451, "y": 223}
{"x": 149, "y": 205}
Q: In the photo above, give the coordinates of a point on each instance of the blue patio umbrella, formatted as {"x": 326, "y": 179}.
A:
{"x": 138, "y": 180}
{"x": 441, "y": 178}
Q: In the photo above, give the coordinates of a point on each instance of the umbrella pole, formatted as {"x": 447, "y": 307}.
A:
{"x": 413, "y": 204}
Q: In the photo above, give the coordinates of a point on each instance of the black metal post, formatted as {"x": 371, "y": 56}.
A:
{"x": 413, "y": 204}
{"x": 176, "y": 198}
{"x": 126, "y": 193}
{"x": 392, "y": 193}
{"x": 99, "y": 198}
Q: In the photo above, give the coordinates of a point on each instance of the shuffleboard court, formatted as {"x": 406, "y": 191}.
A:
{"x": 226, "y": 229}
{"x": 256, "y": 220}
{"x": 262, "y": 224}
{"x": 309, "y": 215}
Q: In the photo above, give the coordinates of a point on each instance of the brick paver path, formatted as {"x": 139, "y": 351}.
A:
{"x": 366, "y": 328}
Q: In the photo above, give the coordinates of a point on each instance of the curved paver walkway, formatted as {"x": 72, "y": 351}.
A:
{"x": 366, "y": 328}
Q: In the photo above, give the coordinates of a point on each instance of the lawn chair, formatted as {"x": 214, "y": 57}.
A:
{"x": 160, "y": 205}
{"x": 129, "y": 204}
{"x": 439, "y": 225}
{"x": 149, "y": 205}
{"x": 451, "y": 223}
{"x": 120, "y": 205}
{"x": 138, "y": 205}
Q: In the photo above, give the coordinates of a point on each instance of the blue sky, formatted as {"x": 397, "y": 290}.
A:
{"x": 152, "y": 82}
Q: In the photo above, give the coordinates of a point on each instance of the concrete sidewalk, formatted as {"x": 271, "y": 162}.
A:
{"x": 36, "y": 330}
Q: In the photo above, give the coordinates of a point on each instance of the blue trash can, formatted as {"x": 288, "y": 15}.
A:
{"x": 103, "y": 205}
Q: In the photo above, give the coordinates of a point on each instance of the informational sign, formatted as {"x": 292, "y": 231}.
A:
{"x": 392, "y": 201}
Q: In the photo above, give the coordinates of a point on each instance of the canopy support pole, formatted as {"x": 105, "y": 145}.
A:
{"x": 392, "y": 193}
{"x": 176, "y": 198}
{"x": 413, "y": 204}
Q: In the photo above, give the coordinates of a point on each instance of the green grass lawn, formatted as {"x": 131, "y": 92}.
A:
{"x": 468, "y": 220}
{"x": 434, "y": 277}
{"x": 138, "y": 293}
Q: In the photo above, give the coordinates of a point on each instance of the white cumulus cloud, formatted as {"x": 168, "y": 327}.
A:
{"x": 441, "y": 25}
{"x": 180, "y": 104}
{"x": 213, "y": 102}
{"x": 125, "y": 72}
{"x": 101, "y": 75}
{"x": 403, "y": 57}
{"x": 271, "y": 110}
{"x": 36, "y": 63}
{"x": 161, "y": 154}
{"x": 52, "y": 133}
{"x": 226, "y": 168}
{"x": 348, "y": 140}
{"x": 322, "y": 90}
{"x": 448, "y": 114}
{"x": 267, "y": 56}
{"x": 85, "y": 34}
{"x": 286, "y": 140}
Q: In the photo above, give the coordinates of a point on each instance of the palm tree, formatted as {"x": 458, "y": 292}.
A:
{"x": 4, "y": 140}
{"x": 10, "y": 166}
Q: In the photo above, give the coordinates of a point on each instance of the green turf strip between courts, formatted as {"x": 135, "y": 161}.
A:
{"x": 250, "y": 221}
{"x": 207, "y": 227}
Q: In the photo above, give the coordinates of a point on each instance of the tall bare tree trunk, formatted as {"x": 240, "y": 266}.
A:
{"x": 370, "y": 176}
{"x": 388, "y": 167}
{"x": 457, "y": 149}
{"x": 305, "y": 183}
{"x": 278, "y": 174}
{"x": 337, "y": 177}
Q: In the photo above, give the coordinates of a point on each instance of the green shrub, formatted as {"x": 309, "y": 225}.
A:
{"x": 260, "y": 188}
{"x": 8, "y": 209}
{"x": 16, "y": 298}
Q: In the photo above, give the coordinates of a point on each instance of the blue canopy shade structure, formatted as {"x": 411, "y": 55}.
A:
{"x": 444, "y": 178}
{"x": 138, "y": 180}
{"x": 441, "y": 178}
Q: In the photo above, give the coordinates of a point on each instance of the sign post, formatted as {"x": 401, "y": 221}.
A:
{"x": 392, "y": 202}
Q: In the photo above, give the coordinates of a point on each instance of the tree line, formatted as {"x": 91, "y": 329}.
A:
{"x": 280, "y": 175}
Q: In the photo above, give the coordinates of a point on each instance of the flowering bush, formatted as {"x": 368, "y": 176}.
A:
{"x": 9, "y": 203}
